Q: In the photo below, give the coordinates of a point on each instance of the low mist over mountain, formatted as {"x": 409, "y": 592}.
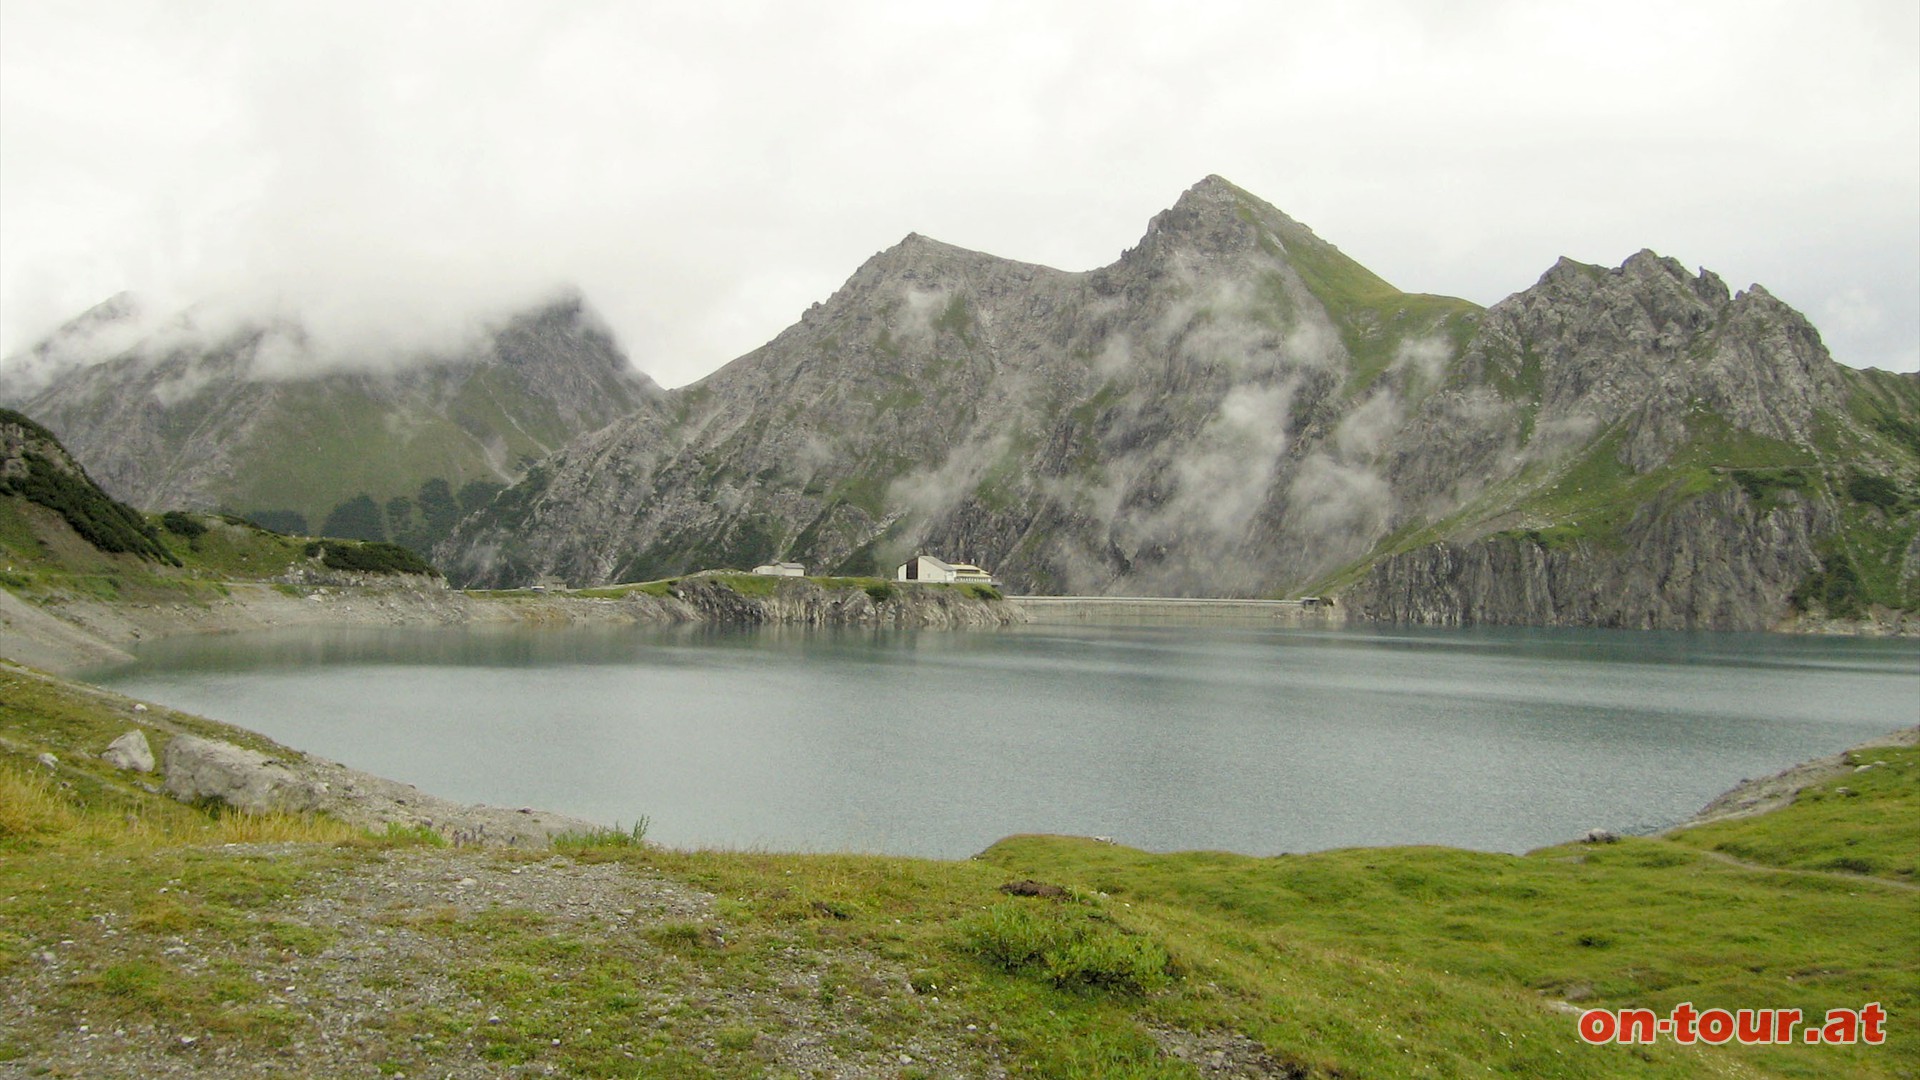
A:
{"x": 247, "y": 419}
{"x": 1237, "y": 408}
{"x": 1233, "y": 408}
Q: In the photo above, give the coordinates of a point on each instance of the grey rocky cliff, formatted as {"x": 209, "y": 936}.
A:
{"x": 805, "y": 603}
{"x": 1595, "y": 446}
{"x": 1710, "y": 563}
{"x": 1236, "y": 408}
{"x": 1150, "y": 425}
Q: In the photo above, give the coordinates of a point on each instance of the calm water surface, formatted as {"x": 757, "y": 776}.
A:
{"x": 938, "y": 743}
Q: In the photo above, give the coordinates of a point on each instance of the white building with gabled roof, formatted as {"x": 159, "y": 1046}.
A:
{"x": 940, "y": 571}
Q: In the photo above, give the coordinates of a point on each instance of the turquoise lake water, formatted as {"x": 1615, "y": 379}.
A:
{"x": 940, "y": 742}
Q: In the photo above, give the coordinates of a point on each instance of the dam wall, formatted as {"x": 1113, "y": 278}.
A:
{"x": 1175, "y": 611}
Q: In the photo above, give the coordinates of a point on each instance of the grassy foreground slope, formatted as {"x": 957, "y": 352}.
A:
{"x": 136, "y": 937}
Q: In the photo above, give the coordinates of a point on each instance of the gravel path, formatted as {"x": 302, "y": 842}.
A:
{"x": 392, "y": 993}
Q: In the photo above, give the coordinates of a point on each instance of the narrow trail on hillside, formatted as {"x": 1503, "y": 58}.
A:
{"x": 1832, "y": 875}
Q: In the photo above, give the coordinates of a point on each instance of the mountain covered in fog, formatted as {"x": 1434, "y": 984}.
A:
{"x": 1235, "y": 407}
{"x": 247, "y": 420}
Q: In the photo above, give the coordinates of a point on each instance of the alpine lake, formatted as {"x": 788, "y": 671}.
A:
{"x": 937, "y": 743}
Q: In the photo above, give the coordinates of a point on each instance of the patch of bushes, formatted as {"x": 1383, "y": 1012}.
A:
{"x": 1836, "y": 588}
{"x": 370, "y": 558}
{"x": 982, "y": 592}
{"x": 1906, "y": 432}
{"x": 1067, "y": 944}
{"x": 284, "y": 522}
{"x": 357, "y": 518}
{"x": 882, "y": 591}
{"x": 1873, "y": 490}
{"x": 104, "y": 522}
{"x": 182, "y": 524}
{"x": 1764, "y": 486}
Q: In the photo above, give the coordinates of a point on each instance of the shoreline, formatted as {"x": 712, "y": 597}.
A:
{"x": 1763, "y": 795}
{"x": 255, "y": 773}
{"x": 65, "y": 638}
{"x": 72, "y": 633}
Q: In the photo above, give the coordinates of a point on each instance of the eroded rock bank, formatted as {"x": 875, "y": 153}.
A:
{"x": 71, "y": 632}
{"x": 1712, "y": 562}
{"x": 196, "y": 760}
{"x": 1749, "y": 798}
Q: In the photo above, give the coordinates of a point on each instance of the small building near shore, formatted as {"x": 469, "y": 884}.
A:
{"x": 782, "y": 569}
{"x": 931, "y": 569}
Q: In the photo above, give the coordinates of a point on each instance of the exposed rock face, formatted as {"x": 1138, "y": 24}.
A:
{"x": 1709, "y": 563}
{"x": 129, "y": 752}
{"x": 804, "y": 603}
{"x": 1232, "y": 408}
{"x": 1160, "y": 424}
{"x": 1235, "y": 408}
{"x": 247, "y": 421}
{"x": 244, "y": 779}
{"x": 209, "y": 769}
{"x": 1637, "y": 448}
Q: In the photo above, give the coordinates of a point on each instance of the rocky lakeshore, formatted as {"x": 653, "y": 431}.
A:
{"x": 71, "y": 632}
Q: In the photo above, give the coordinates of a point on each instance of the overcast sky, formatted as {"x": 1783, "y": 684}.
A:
{"x": 392, "y": 171}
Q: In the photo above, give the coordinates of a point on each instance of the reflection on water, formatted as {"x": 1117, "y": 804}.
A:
{"x": 939, "y": 742}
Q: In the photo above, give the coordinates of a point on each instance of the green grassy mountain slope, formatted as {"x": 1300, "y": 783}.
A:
{"x": 63, "y": 537}
{"x": 1655, "y": 452}
{"x": 247, "y": 423}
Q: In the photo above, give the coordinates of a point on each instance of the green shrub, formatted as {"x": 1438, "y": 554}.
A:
{"x": 373, "y": 558}
{"x": 284, "y": 522}
{"x": 357, "y": 518}
{"x": 1906, "y": 432}
{"x": 882, "y": 591}
{"x": 180, "y": 523}
{"x": 1763, "y": 486}
{"x": 1069, "y": 945}
{"x": 107, "y": 524}
{"x": 615, "y": 837}
{"x": 1873, "y": 490}
{"x": 1836, "y": 588}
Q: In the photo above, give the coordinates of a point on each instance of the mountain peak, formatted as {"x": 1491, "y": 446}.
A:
{"x": 1213, "y": 195}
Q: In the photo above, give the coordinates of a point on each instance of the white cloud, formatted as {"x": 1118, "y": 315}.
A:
{"x": 395, "y": 171}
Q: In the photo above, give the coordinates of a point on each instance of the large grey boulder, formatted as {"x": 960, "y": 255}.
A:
{"x": 243, "y": 779}
{"x": 129, "y": 751}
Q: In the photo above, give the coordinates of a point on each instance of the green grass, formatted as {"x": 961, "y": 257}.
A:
{"x": 43, "y": 559}
{"x": 755, "y": 586}
{"x": 1374, "y": 318}
{"x": 662, "y": 588}
{"x": 1861, "y": 822}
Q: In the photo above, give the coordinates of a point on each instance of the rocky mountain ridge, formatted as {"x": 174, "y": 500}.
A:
{"x": 1234, "y": 407}
{"x": 246, "y": 419}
